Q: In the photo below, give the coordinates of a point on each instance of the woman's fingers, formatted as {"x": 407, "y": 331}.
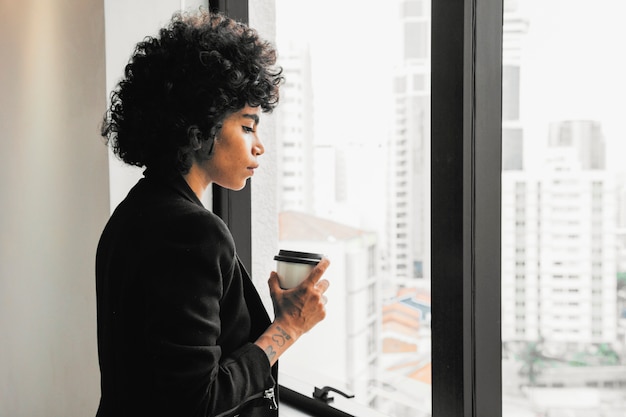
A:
{"x": 322, "y": 285}
{"x": 302, "y": 307}
{"x": 318, "y": 271}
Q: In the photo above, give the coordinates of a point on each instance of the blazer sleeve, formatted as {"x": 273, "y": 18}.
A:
{"x": 192, "y": 269}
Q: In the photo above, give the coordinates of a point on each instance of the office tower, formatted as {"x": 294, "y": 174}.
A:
{"x": 515, "y": 28}
{"x": 620, "y": 236}
{"x": 585, "y": 136}
{"x": 295, "y": 136}
{"x": 408, "y": 225}
{"x": 621, "y": 226}
{"x": 558, "y": 244}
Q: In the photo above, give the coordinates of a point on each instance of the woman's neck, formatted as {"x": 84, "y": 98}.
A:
{"x": 197, "y": 180}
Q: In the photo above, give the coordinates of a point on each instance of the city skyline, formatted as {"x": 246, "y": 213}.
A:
{"x": 553, "y": 91}
{"x": 574, "y": 69}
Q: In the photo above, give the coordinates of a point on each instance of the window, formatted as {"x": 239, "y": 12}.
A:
{"x": 362, "y": 97}
{"x": 568, "y": 150}
{"x": 465, "y": 173}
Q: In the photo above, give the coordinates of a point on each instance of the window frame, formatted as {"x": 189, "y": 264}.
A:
{"x": 235, "y": 207}
{"x": 466, "y": 129}
{"x": 466, "y": 153}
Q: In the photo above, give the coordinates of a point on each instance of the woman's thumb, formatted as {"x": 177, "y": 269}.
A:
{"x": 272, "y": 282}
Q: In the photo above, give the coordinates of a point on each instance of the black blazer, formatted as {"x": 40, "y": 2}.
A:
{"x": 177, "y": 312}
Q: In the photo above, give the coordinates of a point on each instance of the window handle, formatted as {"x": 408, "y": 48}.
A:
{"x": 322, "y": 394}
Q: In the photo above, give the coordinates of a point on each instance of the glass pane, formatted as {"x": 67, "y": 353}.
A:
{"x": 563, "y": 222}
{"x": 353, "y": 168}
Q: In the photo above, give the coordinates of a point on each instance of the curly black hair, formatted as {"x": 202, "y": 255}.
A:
{"x": 199, "y": 69}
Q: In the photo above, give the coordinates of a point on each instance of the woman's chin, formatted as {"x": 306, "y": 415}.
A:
{"x": 234, "y": 187}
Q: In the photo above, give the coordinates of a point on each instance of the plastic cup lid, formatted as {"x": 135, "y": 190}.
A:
{"x": 298, "y": 257}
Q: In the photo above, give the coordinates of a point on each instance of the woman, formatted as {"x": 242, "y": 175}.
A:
{"x": 181, "y": 329}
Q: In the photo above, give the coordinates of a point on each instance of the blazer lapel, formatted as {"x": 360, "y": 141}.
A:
{"x": 259, "y": 318}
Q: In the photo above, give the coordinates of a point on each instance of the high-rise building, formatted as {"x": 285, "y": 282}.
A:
{"x": 408, "y": 224}
{"x": 295, "y": 137}
{"x": 558, "y": 245}
{"x": 621, "y": 227}
{"x": 585, "y": 136}
{"x": 515, "y": 27}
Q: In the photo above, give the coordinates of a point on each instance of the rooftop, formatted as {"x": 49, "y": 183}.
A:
{"x": 295, "y": 225}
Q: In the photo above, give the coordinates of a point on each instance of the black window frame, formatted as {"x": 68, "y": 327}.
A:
{"x": 235, "y": 207}
{"x": 466, "y": 129}
{"x": 466, "y": 155}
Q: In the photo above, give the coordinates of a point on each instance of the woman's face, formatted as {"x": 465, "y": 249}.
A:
{"x": 236, "y": 149}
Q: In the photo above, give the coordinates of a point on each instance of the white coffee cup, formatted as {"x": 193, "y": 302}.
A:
{"x": 293, "y": 267}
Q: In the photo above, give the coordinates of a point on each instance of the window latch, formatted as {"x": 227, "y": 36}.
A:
{"x": 322, "y": 394}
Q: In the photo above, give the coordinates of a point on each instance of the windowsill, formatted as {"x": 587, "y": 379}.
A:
{"x": 346, "y": 405}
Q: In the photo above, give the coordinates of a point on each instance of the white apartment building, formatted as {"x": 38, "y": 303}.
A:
{"x": 408, "y": 212}
{"x": 514, "y": 29}
{"x": 345, "y": 347}
{"x": 295, "y": 121}
{"x": 559, "y": 247}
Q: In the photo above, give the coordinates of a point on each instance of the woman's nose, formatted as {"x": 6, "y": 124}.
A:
{"x": 259, "y": 149}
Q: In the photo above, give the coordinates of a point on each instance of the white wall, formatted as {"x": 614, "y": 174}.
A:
{"x": 54, "y": 192}
{"x": 59, "y": 61}
{"x": 128, "y": 22}
{"x": 262, "y": 14}
{"x": 54, "y": 189}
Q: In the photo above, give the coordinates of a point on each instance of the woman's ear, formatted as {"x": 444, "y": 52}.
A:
{"x": 194, "y": 134}
{"x": 213, "y": 137}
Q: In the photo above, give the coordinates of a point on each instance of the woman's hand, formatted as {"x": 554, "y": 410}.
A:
{"x": 300, "y": 308}
{"x": 297, "y": 310}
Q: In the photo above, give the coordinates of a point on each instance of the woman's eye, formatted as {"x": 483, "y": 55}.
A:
{"x": 248, "y": 129}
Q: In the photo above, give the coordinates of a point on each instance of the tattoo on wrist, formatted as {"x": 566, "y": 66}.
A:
{"x": 269, "y": 351}
{"x": 281, "y": 339}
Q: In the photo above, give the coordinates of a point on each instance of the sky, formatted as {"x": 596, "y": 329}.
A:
{"x": 574, "y": 67}
{"x": 351, "y": 71}
{"x": 574, "y": 62}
